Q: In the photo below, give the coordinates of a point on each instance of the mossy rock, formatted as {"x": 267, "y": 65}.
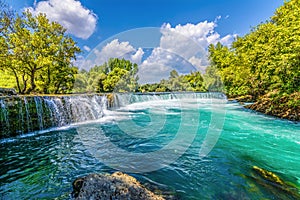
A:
{"x": 275, "y": 184}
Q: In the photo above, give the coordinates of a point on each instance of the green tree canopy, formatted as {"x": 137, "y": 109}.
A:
{"x": 118, "y": 75}
{"x": 38, "y": 53}
{"x": 189, "y": 82}
{"x": 266, "y": 59}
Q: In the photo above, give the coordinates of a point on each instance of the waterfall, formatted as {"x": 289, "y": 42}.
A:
{"x": 39, "y": 110}
{"x": 123, "y": 99}
{"x": 25, "y": 114}
{"x": 4, "y": 116}
{"x": 28, "y": 118}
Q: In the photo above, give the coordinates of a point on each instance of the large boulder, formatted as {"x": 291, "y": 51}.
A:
{"x": 115, "y": 186}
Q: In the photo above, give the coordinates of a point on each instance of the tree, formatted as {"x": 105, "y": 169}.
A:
{"x": 266, "y": 59}
{"x": 189, "y": 82}
{"x": 39, "y": 54}
{"x": 116, "y": 75}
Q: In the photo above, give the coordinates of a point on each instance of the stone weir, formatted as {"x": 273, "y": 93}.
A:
{"x": 24, "y": 114}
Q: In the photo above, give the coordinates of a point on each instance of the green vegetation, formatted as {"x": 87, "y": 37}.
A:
{"x": 266, "y": 62}
{"x": 190, "y": 82}
{"x": 36, "y": 53}
{"x": 119, "y": 75}
{"x": 116, "y": 75}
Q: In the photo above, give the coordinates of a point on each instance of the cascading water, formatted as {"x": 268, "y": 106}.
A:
{"x": 25, "y": 114}
{"x": 4, "y": 115}
{"x": 123, "y": 99}
{"x": 28, "y": 118}
{"x": 39, "y": 110}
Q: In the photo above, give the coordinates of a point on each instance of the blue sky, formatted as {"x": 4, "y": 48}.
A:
{"x": 91, "y": 22}
{"x": 115, "y": 16}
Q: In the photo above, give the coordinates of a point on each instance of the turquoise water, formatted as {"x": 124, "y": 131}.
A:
{"x": 43, "y": 165}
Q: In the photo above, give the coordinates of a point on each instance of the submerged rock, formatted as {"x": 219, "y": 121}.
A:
{"x": 115, "y": 186}
{"x": 274, "y": 183}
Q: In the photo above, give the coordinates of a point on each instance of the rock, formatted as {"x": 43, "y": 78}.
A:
{"x": 110, "y": 99}
{"x": 269, "y": 176}
{"x": 115, "y": 186}
{"x": 282, "y": 106}
{"x": 274, "y": 183}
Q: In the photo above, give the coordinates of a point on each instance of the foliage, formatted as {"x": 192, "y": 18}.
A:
{"x": 266, "y": 59}
{"x": 176, "y": 82}
{"x": 118, "y": 75}
{"x": 37, "y": 53}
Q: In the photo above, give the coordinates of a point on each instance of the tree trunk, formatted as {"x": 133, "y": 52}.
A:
{"x": 25, "y": 84}
{"x": 57, "y": 86}
{"x": 32, "y": 82}
{"x": 18, "y": 82}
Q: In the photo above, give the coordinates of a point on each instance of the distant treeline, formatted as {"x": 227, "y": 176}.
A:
{"x": 120, "y": 75}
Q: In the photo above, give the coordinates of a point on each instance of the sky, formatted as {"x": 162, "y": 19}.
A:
{"x": 158, "y": 35}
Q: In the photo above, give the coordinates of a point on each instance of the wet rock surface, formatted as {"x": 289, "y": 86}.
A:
{"x": 115, "y": 186}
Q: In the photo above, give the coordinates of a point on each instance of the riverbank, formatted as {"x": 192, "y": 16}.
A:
{"x": 284, "y": 106}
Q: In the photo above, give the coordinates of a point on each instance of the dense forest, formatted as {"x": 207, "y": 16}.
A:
{"x": 37, "y": 55}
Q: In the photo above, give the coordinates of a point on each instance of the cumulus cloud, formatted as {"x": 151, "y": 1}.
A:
{"x": 78, "y": 20}
{"x": 137, "y": 56}
{"x": 116, "y": 49}
{"x": 159, "y": 64}
{"x": 183, "y": 48}
{"x": 113, "y": 49}
{"x": 200, "y": 63}
{"x": 203, "y": 34}
{"x": 183, "y": 45}
{"x": 153, "y": 72}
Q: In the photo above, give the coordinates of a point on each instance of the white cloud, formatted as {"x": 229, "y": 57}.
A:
{"x": 202, "y": 33}
{"x": 87, "y": 48}
{"x": 153, "y": 72}
{"x": 137, "y": 57}
{"x": 159, "y": 64}
{"x": 228, "y": 39}
{"x": 78, "y": 20}
{"x": 200, "y": 63}
{"x": 184, "y": 48}
{"x": 116, "y": 49}
{"x": 113, "y": 49}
